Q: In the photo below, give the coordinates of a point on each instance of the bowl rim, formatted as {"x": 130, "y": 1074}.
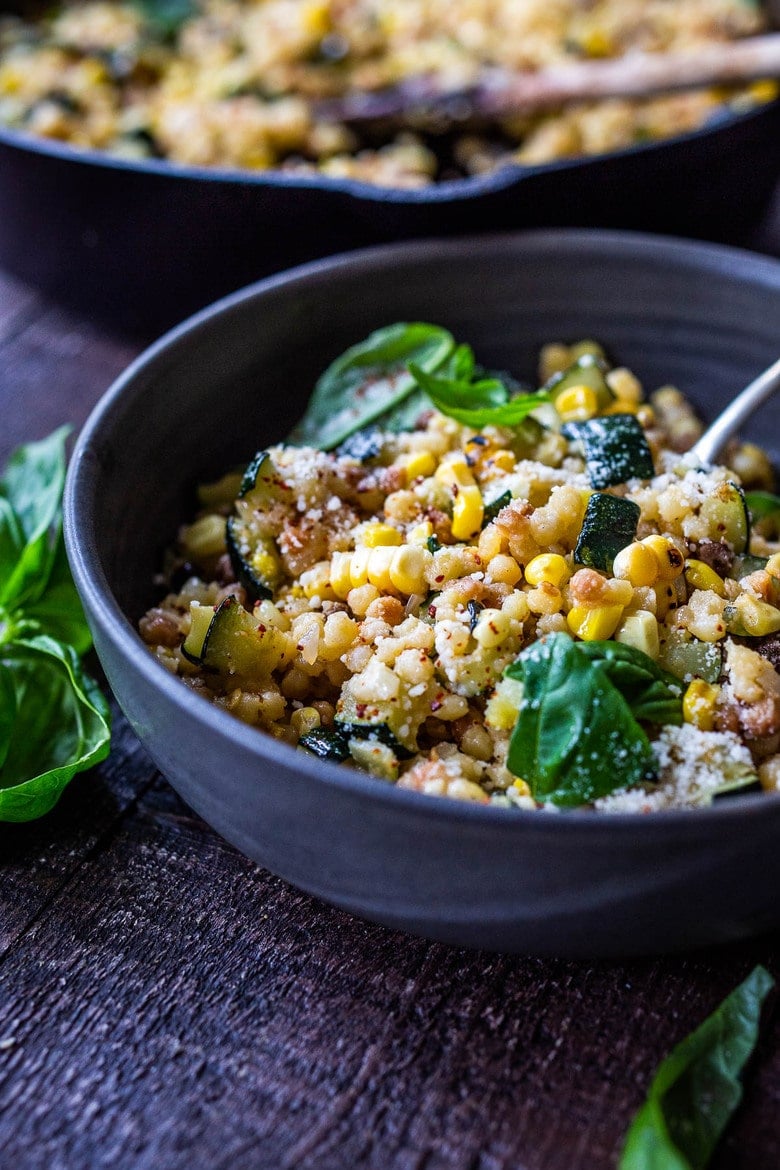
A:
{"x": 104, "y": 610}
{"x": 453, "y": 191}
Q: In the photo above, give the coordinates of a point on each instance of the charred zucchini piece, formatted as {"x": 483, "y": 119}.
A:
{"x": 259, "y": 477}
{"x": 588, "y": 370}
{"x": 229, "y": 640}
{"x": 745, "y": 564}
{"x": 371, "y": 721}
{"x": 364, "y": 445}
{"x": 609, "y": 524}
{"x": 615, "y": 447}
{"x": 689, "y": 660}
{"x": 258, "y": 569}
{"x": 494, "y": 507}
{"x": 375, "y": 757}
{"x": 327, "y": 743}
{"x": 727, "y": 517}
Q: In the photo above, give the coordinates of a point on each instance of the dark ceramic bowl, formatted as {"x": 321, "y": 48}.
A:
{"x": 142, "y": 244}
{"x": 234, "y": 378}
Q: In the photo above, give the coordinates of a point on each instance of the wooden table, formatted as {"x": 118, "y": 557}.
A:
{"x": 165, "y": 1003}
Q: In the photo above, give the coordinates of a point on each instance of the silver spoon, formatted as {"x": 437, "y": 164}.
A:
{"x": 729, "y": 421}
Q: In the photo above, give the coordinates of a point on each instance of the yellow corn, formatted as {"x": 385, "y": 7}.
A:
{"x": 467, "y": 513}
{"x": 502, "y": 459}
{"x": 492, "y": 628}
{"x": 699, "y": 704}
{"x": 408, "y": 568}
{"x": 594, "y": 623}
{"x": 547, "y": 567}
{"x": 379, "y": 567}
{"x": 376, "y": 535}
{"x": 504, "y": 568}
{"x": 671, "y": 562}
{"x": 340, "y": 575}
{"x": 315, "y": 581}
{"x": 358, "y": 567}
{"x": 577, "y": 403}
{"x": 468, "y": 508}
{"x": 623, "y": 406}
{"x": 638, "y": 564}
{"x": 417, "y": 464}
{"x": 421, "y": 533}
{"x": 701, "y": 576}
{"x": 645, "y": 415}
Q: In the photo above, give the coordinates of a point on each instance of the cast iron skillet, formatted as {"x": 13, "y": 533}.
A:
{"x": 142, "y": 244}
{"x": 235, "y": 378}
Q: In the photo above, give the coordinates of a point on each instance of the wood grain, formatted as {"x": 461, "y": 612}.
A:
{"x": 166, "y": 1004}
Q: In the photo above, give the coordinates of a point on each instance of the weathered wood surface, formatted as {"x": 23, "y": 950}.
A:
{"x": 164, "y": 1003}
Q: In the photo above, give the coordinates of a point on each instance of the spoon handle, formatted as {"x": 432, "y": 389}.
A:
{"x": 736, "y": 413}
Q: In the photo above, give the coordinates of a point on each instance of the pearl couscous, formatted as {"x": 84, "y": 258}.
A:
{"x": 443, "y": 605}
{"x": 240, "y": 84}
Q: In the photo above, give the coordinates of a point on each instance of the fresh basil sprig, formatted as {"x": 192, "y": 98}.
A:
{"x": 479, "y": 403}
{"x": 370, "y": 381}
{"x": 54, "y": 721}
{"x": 577, "y": 735}
{"x": 697, "y": 1087}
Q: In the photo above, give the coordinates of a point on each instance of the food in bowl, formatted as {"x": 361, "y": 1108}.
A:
{"x": 233, "y": 84}
{"x": 471, "y": 588}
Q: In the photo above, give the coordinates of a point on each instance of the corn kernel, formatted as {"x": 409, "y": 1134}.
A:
{"x": 549, "y": 567}
{"x": 505, "y": 569}
{"x": 468, "y": 511}
{"x": 594, "y": 624}
{"x": 376, "y": 535}
{"x": 671, "y": 562}
{"x": 358, "y": 568}
{"x": 492, "y": 628}
{"x": 622, "y": 406}
{"x": 503, "y": 460}
{"x": 379, "y": 567}
{"x": 340, "y": 573}
{"x": 636, "y": 563}
{"x": 421, "y": 533}
{"x": 315, "y": 581}
{"x": 699, "y": 704}
{"x": 701, "y": 576}
{"x": 577, "y": 403}
{"x": 417, "y": 464}
{"x": 408, "y": 569}
{"x": 645, "y": 415}
{"x": 640, "y": 630}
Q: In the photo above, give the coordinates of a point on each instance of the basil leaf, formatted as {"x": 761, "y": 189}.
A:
{"x": 762, "y": 504}
{"x": 58, "y": 612}
{"x": 697, "y": 1088}
{"x": 477, "y": 404}
{"x": 7, "y": 711}
{"x": 577, "y": 737}
{"x": 32, "y": 485}
{"x": 369, "y": 380}
{"x": 11, "y": 539}
{"x": 61, "y": 725}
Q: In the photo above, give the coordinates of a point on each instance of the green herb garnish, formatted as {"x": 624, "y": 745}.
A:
{"x": 578, "y": 735}
{"x": 697, "y": 1087}
{"x": 479, "y": 403}
{"x": 370, "y": 384}
{"x": 54, "y": 721}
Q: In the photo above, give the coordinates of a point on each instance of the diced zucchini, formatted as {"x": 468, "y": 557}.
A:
{"x": 494, "y": 507}
{"x": 746, "y": 564}
{"x": 229, "y": 640}
{"x": 260, "y": 476}
{"x": 749, "y": 617}
{"x": 380, "y": 721}
{"x": 609, "y": 524}
{"x": 588, "y": 370}
{"x": 327, "y": 743}
{"x": 692, "y": 659}
{"x": 375, "y": 757}
{"x": 257, "y": 568}
{"x": 615, "y": 447}
{"x": 727, "y": 517}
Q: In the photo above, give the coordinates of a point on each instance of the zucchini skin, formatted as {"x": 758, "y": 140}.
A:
{"x": 257, "y": 589}
{"x": 609, "y": 525}
{"x": 616, "y": 449}
{"x": 326, "y": 743}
